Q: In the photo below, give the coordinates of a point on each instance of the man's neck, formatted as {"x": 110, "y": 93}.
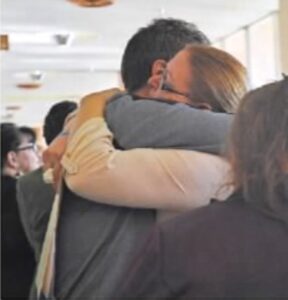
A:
{"x": 143, "y": 92}
{"x": 9, "y": 172}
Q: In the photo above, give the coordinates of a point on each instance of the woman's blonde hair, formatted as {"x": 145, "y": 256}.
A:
{"x": 220, "y": 79}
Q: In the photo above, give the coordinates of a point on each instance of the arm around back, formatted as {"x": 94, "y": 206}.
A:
{"x": 149, "y": 123}
{"x": 144, "y": 178}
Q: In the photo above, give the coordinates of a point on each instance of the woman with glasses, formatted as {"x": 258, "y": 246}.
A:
{"x": 29, "y": 156}
{"x": 17, "y": 257}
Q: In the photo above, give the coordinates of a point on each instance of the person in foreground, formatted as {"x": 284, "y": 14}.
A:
{"x": 95, "y": 241}
{"x": 235, "y": 248}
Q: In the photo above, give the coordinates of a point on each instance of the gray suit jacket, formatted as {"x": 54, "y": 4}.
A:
{"x": 35, "y": 199}
{"x": 95, "y": 241}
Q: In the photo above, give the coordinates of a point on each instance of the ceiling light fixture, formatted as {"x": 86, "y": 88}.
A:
{"x": 63, "y": 39}
{"x": 92, "y": 3}
{"x": 31, "y": 80}
{"x": 4, "y": 42}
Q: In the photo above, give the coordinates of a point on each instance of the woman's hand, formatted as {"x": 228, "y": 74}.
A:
{"x": 92, "y": 105}
{"x": 52, "y": 158}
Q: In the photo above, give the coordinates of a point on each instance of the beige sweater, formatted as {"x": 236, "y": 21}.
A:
{"x": 173, "y": 180}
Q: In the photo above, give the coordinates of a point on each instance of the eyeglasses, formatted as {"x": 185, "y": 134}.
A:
{"x": 165, "y": 86}
{"x": 27, "y": 147}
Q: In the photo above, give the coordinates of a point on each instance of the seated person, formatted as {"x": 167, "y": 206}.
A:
{"x": 236, "y": 249}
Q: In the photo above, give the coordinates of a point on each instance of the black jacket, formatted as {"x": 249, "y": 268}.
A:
{"x": 17, "y": 258}
{"x": 226, "y": 250}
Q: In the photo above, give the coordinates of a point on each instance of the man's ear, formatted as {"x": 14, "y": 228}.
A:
{"x": 158, "y": 67}
{"x": 154, "y": 82}
{"x": 12, "y": 160}
{"x": 155, "y": 78}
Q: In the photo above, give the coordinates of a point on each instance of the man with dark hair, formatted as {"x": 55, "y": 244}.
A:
{"x": 29, "y": 133}
{"x": 16, "y": 254}
{"x": 132, "y": 118}
{"x": 29, "y": 157}
{"x": 10, "y": 141}
{"x": 160, "y": 40}
{"x": 95, "y": 241}
{"x": 34, "y": 196}
{"x": 54, "y": 120}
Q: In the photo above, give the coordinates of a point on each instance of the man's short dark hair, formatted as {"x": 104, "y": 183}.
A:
{"x": 28, "y": 131}
{"x": 162, "y": 39}
{"x": 55, "y": 118}
{"x": 10, "y": 140}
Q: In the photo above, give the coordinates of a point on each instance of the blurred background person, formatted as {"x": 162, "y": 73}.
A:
{"x": 28, "y": 134}
{"x": 17, "y": 257}
{"x": 29, "y": 156}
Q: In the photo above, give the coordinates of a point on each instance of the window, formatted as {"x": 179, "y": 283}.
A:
{"x": 236, "y": 45}
{"x": 256, "y": 47}
{"x": 263, "y": 59}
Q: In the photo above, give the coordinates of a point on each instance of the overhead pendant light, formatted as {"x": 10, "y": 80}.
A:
{"x": 92, "y": 3}
{"x": 32, "y": 80}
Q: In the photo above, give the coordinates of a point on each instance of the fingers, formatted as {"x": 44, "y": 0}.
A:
{"x": 52, "y": 160}
{"x": 48, "y": 159}
{"x": 53, "y": 154}
{"x": 57, "y": 175}
{"x": 54, "y": 176}
{"x": 48, "y": 176}
{"x": 103, "y": 96}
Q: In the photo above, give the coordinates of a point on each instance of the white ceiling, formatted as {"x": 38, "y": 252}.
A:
{"x": 99, "y": 36}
